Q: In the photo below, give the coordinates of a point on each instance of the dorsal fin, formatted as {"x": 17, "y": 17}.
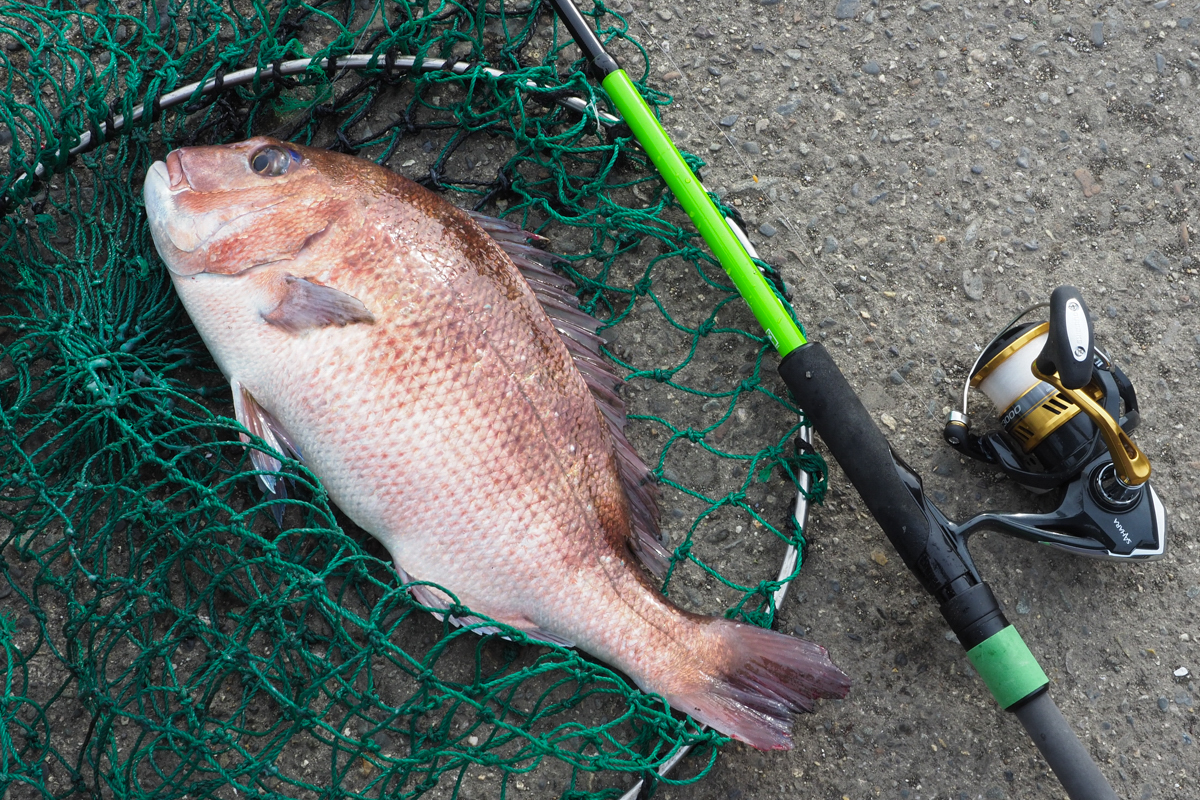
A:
{"x": 578, "y": 332}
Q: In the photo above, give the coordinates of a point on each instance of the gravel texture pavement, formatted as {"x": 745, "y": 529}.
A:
{"x": 920, "y": 173}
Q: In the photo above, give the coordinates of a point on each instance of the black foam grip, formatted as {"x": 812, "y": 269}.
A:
{"x": 1071, "y": 762}
{"x": 859, "y": 446}
{"x": 861, "y": 449}
{"x": 1068, "y": 349}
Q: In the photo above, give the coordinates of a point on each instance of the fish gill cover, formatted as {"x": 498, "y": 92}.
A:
{"x": 160, "y": 635}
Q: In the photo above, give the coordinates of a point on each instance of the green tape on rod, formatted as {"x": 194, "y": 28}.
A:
{"x": 1007, "y": 667}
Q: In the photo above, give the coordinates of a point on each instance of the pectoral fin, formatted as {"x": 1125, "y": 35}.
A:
{"x": 306, "y": 305}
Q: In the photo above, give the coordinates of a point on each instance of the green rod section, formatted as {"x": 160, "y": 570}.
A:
{"x": 768, "y": 309}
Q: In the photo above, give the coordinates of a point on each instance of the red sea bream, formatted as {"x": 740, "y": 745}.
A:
{"x": 440, "y": 381}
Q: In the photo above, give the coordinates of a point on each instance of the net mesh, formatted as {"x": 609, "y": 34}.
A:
{"x": 161, "y": 635}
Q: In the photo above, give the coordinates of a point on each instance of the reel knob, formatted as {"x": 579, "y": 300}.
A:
{"x": 1068, "y": 349}
{"x": 1066, "y": 364}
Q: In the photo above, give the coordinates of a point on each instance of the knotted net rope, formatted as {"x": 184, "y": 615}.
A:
{"x": 160, "y": 635}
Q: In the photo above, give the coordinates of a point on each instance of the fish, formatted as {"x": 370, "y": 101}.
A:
{"x": 437, "y": 375}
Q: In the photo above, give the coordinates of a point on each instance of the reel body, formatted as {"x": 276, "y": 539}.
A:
{"x": 1065, "y": 411}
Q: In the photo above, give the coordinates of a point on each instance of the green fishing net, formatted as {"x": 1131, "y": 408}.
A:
{"x": 161, "y": 634}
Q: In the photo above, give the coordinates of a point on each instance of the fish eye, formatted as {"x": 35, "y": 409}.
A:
{"x": 271, "y": 162}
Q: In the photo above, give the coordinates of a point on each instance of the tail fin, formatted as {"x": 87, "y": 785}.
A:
{"x": 768, "y": 677}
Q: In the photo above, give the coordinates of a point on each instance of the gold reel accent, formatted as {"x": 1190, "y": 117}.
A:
{"x": 1048, "y": 414}
{"x": 1133, "y": 468}
{"x": 1013, "y": 346}
{"x": 1042, "y": 420}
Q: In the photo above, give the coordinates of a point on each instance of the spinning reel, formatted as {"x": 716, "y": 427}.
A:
{"x": 1059, "y": 401}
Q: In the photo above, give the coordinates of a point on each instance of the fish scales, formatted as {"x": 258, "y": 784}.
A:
{"x": 395, "y": 345}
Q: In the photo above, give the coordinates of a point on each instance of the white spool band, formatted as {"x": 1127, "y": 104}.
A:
{"x": 1014, "y": 376}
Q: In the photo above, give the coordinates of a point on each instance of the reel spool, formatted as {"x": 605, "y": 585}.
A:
{"x": 1066, "y": 411}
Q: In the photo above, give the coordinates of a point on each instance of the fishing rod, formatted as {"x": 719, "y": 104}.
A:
{"x": 1061, "y": 356}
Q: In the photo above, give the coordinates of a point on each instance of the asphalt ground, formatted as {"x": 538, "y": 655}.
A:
{"x": 920, "y": 173}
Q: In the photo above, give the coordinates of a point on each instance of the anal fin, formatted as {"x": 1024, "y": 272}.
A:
{"x": 438, "y": 601}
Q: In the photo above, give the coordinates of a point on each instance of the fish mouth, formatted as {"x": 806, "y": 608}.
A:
{"x": 176, "y": 232}
{"x": 169, "y": 172}
{"x": 158, "y": 171}
{"x": 175, "y": 229}
{"x": 161, "y": 213}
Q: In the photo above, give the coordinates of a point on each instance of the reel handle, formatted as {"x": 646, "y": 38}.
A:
{"x": 1066, "y": 364}
{"x": 1069, "y": 342}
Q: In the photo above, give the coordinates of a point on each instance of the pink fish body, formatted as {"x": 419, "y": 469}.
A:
{"x": 405, "y": 353}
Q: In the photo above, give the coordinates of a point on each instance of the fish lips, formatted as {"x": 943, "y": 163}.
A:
{"x": 175, "y": 234}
